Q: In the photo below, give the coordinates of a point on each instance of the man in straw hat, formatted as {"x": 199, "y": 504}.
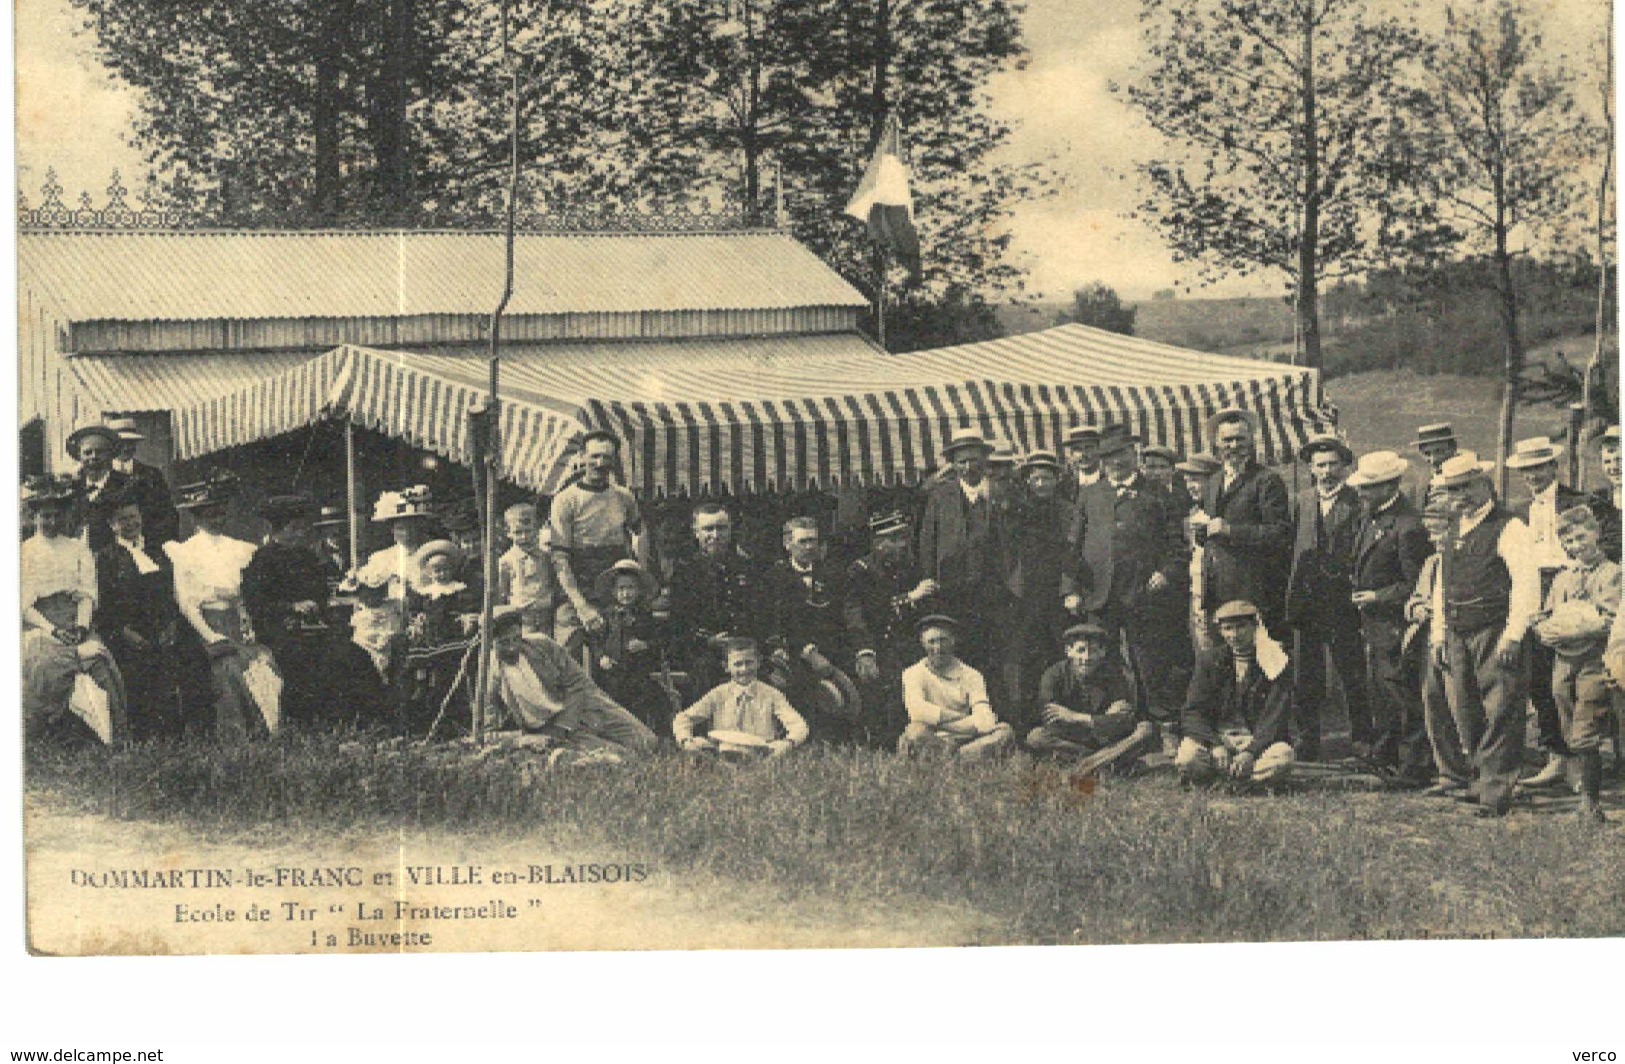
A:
{"x": 1434, "y": 443}
{"x": 160, "y": 521}
{"x": 1319, "y": 603}
{"x": 1390, "y": 548}
{"x": 1082, "y": 450}
{"x": 1125, "y": 561}
{"x": 1248, "y": 536}
{"x": 947, "y": 702}
{"x": 1536, "y": 459}
{"x": 962, "y": 543}
{"x": 1488, "y": 591}
{"x": 1236, "y": 712}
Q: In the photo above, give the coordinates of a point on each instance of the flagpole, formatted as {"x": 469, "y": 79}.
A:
{"x": 883, "y": 258}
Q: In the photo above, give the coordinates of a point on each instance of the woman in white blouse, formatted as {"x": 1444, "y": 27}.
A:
{"x": 208, "y": 588}
{"x": 68, "y": 674}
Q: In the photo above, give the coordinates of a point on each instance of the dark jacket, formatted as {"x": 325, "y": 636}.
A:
{"x": 882, "y": 618}
{"x": 1216, "y": 700}
{"x": 1251, "y": 560}
{"x": 127, "y": 599}
{"x": 797, "y": 610}
{"x": 94, "y": 508}
{"x": 1601, "y": 502}
{"x": 1320, "y": 581}
{"x": 1116, "y": 541}
{"x": 160, "y": 520}
{"x": 1389, "y": 550}
{"x": 947, "y": 551}
{"x": 710, "y": 596}
{"x": 277, "y": 577}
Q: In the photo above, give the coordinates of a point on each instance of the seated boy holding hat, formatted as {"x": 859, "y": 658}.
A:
{"x": 1580, "y": 609}
{"x": 742, "y": 717}
{"x": 1085, "y": 704}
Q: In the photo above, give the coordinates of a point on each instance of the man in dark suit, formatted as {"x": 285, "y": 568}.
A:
{"x": 714, "y": 597}
{"x": 1248, "y": 537}
{"x": 98, "y": 487}
{"x": 1319, "y": 600}
{"x": 810, "y": 629}
{"x": 1125, "y": 552}
{"x": 1237, "y": 709}
{"x": 1536, "y": 459}
{"x": 1434, "y": 443}
{"x": 159, "y": 517}
{"x": 1389, "y": 551}
{"x": 962, "y": 546}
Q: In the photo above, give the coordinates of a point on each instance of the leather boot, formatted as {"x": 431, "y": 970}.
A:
{"x": 1591, "y": 786}
{"x": 1554, "y": 774}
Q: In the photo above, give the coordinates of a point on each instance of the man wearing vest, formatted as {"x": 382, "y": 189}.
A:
{"x": 1319, "y": 602}
{"x": 1536, "y": 459}
{"x": 1487, "y": 593}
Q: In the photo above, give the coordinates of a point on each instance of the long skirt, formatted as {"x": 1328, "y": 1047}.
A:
{"x": 60, "y": 681}
{"x": 246, "y": 687}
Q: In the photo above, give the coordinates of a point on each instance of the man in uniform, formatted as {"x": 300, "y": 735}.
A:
{"x": 1487, "y": 592}
{"x": 1320, "y": 606}
{"x": 1390, "y": 548}
{"x": 807, "y": 630}
{"x": 713, "y": 597}
{"x": 1536, "y": 459}
{"x": 887, "y": 597}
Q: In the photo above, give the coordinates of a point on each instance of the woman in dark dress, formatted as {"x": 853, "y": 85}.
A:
{"x": 140, "y": 622}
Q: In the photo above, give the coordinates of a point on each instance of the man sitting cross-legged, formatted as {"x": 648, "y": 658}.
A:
{"x": 1236, "y": 711}
{"x": 743, "y": 717}
{"x": 1084, "y": 703}
{"x": 535, "y": 683}
{"x": 946, "y": 700}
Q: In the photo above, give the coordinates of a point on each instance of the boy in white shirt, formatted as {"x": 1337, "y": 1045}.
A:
{"x": 525, "y": 571}
{"x": 743, "y": 704}
{"x": 946, "y": 700}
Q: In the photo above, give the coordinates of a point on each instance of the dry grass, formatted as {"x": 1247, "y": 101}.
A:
{"x": 1129, "y": 861}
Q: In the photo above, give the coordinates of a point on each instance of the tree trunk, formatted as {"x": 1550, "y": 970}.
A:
{"x": 1308, "y": 291}
{"x": 1511, "y": 345}
{"x": 324, "y": 113}
{"x": 388, "y": 115}
{"x": 879, "y": 103}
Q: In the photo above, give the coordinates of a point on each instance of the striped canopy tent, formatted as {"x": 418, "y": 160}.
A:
{"x": 772, "y": 413}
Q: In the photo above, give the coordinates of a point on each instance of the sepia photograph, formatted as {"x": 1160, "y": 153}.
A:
{"x": 612, "y": 475}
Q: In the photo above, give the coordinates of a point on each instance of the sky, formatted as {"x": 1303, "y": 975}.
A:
{"x": 74, "y": 116}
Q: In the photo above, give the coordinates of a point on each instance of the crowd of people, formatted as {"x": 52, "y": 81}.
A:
{"x": 1102, "y": 606}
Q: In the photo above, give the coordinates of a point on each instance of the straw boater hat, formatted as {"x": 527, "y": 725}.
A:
{"x": 1039, "y": 460}
{"x": 604, "y": 586}
{"x": 1003, "y": 454}
{"x": 1200, "y": 464}
{"x": 1325, "y": 442}
{"x": 437, "y": 546}
{"x": 125, "y": 427}
{"x": 1227, "y": 415}
{"x": 331, "y": 515}
{"x": 1460, "y": 468}
{"x": 398, "y": 505}
{"x": 218, "y": 489}
{"x": 1535, "y": 451}
{"x": 1081, "y": 433}
{"x": 44, "y": 489}
{"x": 1378, "y": 467}
{"x": 1440, "y": 433}
{"x": 80, "y": 435}
{"x": 888, "y": 524}
{"x": 964, "y": 438}
{"x": 279, "y": 508}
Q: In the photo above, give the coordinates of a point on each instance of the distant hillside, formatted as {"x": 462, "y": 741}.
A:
{"x": 1217, "y": 325}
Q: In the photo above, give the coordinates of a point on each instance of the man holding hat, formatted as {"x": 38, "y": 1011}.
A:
{"x": 1319, "y": 601}
{"x": 1390, "y": 549}
{"x": 98, "y": 486}
{"x": 160, "y": 521}
{"x": 1536, "y": 459}
{"x": 1237, "y": 709}
{"x": 1125, "y": 557}
{"x": 807, "y": 628}
{"x": 1487, "y": 592}
{"x": 285, "y": 591}
{"x": 962, "y": 545}
{"x": 888, "y": 597}
{"x": 1247, "y": 540}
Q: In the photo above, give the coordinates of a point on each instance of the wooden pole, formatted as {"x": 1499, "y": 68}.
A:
{"x": 880, "y": 296}
{"x": 482, "y": 685}
{"x": 1577, "y": 418}
{"x": 349, "y": 501}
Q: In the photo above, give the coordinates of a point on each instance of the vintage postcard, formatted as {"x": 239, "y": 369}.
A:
{"x": 506, "y": 475}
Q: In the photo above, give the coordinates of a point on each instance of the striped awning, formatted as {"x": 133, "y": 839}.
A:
{"x": 769, "y": 413}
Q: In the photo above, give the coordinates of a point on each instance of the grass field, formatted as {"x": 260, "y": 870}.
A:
{"x": 1036, "y": 857}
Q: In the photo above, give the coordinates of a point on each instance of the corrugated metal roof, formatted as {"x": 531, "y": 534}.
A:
{"x": 140, "y": 276}
{"x": 132, "y": 383}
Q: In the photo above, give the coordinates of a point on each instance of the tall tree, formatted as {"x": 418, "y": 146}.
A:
{"x": 1506, "y": 149}
{"x": 1279, "y": 119}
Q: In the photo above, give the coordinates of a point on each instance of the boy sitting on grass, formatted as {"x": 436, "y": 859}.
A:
{"x": 1579, "y": 610}
{"x": 1084, "y": 703}
{"x": 947, "y": 703}
{"x": 743, "y": 706}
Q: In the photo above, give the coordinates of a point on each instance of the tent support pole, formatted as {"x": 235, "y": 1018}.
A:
{"x": 349, "y": 491}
